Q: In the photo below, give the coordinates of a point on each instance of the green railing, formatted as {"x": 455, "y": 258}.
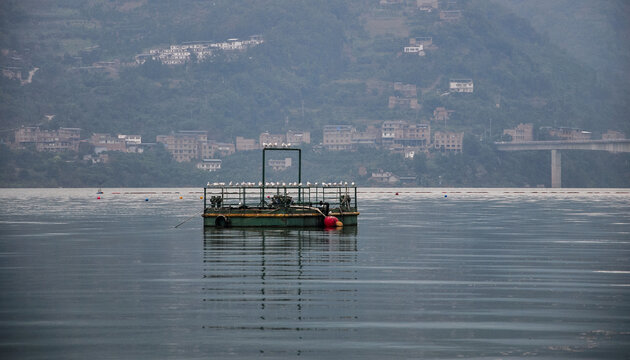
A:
{"x": 250, "y": 196}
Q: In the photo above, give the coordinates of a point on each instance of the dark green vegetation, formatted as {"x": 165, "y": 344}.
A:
{"x": 323, "y": 62}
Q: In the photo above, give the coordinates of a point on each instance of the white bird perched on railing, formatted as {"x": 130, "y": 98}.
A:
{"x": 352, "y": 183}
{"x": 308, "y": 183}
{"x": 260, "y": 183}
{"x": 230, "y": 184}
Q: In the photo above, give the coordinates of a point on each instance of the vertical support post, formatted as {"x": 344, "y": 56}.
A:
{"x": 204, "y": 199}
{"x": 556, "y": 169}
{"x": 263, "y": 177}
{"x": 299, "y": 166}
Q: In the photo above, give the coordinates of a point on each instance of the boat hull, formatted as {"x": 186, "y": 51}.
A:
{"x": 278, "y": 218}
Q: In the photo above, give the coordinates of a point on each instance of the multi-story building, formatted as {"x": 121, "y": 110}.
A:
{"x": 63, "y": 139}
{"x": 27, "y": 135}
{"x": 185, "y": 145}
{"x": 106, "y": 142}
{"x": 133, "y": 143}
{"x": 384, "y": 177}
{"x": 448, "y": 141}
{"x": 390, "y": 130}
{"x": 566, "y": 133}
{"x": 370, "y": 137}
{"x": 280, "y": 165}
{"x": 338, "y": 137}
{"x": 131, "y": 139}
{"x": 612, "y": 135}
{"x": 298, "y": 137}
{"x": 414, "y": 49}
{"x": 221, "y": 148}
{"x": 267, "y": 138}
{"x": 425, "y": 41}
{"x": 427, "y": 5}
{"x": 441, "y": 114}
{"x": 523, "y": 132}
{"x": 243, "y": 144}
{"x": 209, "y": 164}
{"x": 399, "y": 134}
{"x": 461, "y": 85}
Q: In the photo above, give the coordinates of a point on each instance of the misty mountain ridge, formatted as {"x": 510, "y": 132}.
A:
{"x": 317, "y": 66}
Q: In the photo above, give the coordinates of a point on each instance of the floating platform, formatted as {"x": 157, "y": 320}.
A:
{"x": 279, "y": 204}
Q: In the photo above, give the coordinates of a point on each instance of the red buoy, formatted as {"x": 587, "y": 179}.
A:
{"x": 331, "y": 222}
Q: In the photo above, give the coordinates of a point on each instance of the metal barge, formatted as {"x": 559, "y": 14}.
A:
{"x": 271, "y": 204}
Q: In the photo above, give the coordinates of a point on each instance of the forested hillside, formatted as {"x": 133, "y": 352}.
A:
{"x": 322, "y": 62}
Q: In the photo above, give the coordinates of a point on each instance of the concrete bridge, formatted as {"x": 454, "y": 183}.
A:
{"x": 613, "y": 145}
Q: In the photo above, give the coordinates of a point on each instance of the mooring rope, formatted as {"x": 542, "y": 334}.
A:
{"x": 190, "y": 218}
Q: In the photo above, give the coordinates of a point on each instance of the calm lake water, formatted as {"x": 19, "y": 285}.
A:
{"x": 480, "y": 273}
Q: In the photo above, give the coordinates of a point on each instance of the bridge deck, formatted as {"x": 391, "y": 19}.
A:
{"x": 616, "y": 145}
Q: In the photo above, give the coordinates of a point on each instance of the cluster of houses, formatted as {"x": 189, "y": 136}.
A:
{"x": 397, "y": 136}
{"x": 69, "y": 139}
{"x": 406, "y": 95}
{"x": 194, "y": 145}
{"x": 198, "y": 50}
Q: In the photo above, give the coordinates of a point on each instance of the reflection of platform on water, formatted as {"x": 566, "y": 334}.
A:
{"x": 278, "y": 286}
{"x": 343, "y": 239}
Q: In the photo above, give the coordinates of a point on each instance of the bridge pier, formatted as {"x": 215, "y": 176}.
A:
{"x": 556, "y": 169}
{"x": 611, "y": 145}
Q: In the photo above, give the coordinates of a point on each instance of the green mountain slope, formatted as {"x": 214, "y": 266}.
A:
{"x": 322, "y": 62}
